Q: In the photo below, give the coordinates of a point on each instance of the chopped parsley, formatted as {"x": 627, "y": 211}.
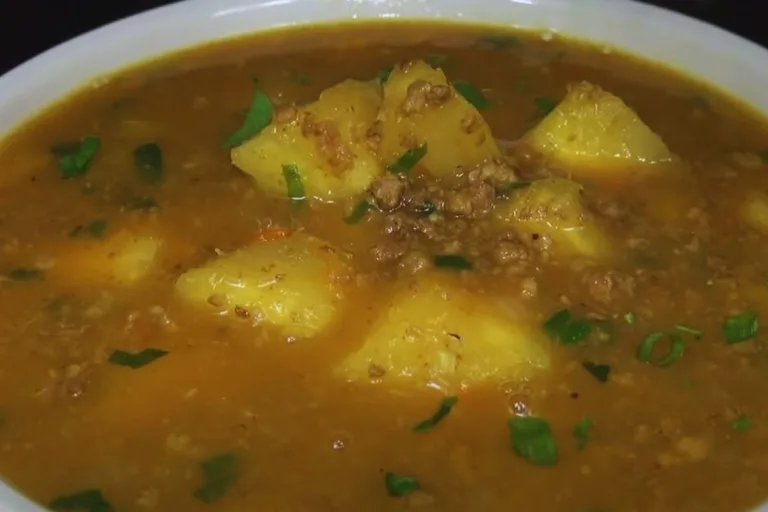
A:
{"x": 629, "y": 318}
{"x": 601, "y": 372}
{"x": 454, "y": 261}
{"x": 741, "y": 327}
{"x": 293, "y": 183}
{"x": 358, "y": 212}
{"x": 257, "y": 118}
{"x": 532, "y": 439}
{"x": 383, "y": 74}
{"x": 647, "y": 347}
{"x": 426, "y": 208}
{"x": 136, "y": 360}
{"x": 443, "y": 410}
{"x": 566, "y": 329}
{"x": 741, "y": 423}
{"x": 697, "y": 334}
{"x": 544, "y": 105}
{"x": 91, "y": 500}
{"x": 581, "y": 432}
{"x": 75, "y": 158}
{"x": 399, "y": 486}
{"x": 219, "y": 474}
{"x": 94, "y": 229}
{"x": 476, "y": 98}
{"x": 408, "y": 160}
{"x": 25, "y": 274}
{"x": 148, "y": 159}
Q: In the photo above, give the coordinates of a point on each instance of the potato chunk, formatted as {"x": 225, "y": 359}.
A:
{"x": 592, "y": 131}
{"x": 754, "y": 211}
{"x": 294, "y": 284}
{"x": 551, "y": 215}
{"x": 121, "y": 259}
{"x": 326, "y": 140}
{"x": 421, "y": 107}
{"x": 435, "y": 333}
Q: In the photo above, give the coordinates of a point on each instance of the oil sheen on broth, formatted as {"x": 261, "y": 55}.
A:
{"x": 307, "y": 271}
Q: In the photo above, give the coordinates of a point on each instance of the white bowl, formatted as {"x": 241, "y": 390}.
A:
{"x": 713, "y": 55}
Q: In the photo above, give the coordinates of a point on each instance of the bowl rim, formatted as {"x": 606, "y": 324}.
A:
{"x": 32, "y": 86}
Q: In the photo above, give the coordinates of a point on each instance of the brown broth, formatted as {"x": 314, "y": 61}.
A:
{"x": 662, "y": 439}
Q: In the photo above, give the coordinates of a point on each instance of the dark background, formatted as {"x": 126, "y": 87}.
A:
{"x": 32, "y": 26}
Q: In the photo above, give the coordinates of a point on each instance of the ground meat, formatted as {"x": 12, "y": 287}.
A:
{"x": 328, "y": 142}
{"x": 603, "y": 286}
{"x": 414, "y": 262}
{"x": 422, "y": 94}
{"x": 387, "y": 191}
{"x": 471, "y": 202}
{"x": 373, "y": 136}
{"x": 498, "y": 172}
{"x": 388, "y": 251}
{"x": 509, "y": 251}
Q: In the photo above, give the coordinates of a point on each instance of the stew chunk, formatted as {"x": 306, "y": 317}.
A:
{"x": 552, "y": 216}
{"x": 326, "y": 141}
{"x": 294, "y": 284}
{"x": 421, "y": 107}
{"x": 593, "y": 131}
{"x": 436, "y": 333}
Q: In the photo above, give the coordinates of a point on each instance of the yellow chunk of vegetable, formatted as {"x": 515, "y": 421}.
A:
{"x": 325, "y": 140}
{"x": 421, "y": 107}
{"x": 294, "y": 284}
{"x": 754, "y": 211}
{"x": 551, "y": 214}
{"x": 121, "y": 259}
{"x": 437, "y": 334}
{"x": 592, "y": 131}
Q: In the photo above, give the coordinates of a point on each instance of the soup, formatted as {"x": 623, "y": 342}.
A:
{"x": 387, "y": 267}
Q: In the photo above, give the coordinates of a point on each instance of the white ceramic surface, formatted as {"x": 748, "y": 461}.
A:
{"x": 716, "y": 56}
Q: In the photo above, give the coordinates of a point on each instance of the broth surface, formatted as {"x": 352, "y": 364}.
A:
{"x": 232, "y": 413}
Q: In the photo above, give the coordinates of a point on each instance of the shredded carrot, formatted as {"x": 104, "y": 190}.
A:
{"x": 271, "y": 233}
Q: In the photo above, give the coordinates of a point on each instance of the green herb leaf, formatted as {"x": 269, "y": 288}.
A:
{"x": 90, "y": 500}
{"x": 689, "y": 330}
{"x": 400, "y": 485}
{"x": 142, "y": 203}
{"x": 293, "y": 183}
{"x": 436, "y": 59}
{"x": 408, "y": 160}
{"x": 79, "y": 157}
{"x": 257, "y": 118}
{"x": 647, "y": 347}
{"x": 148, "y": 159}
{"x": 299, "y": 78}
{"x": 581, "y": 432}
{"x": 94, "y": 229}
{"x": 741, "y": 327}
{"x": 472, "y": 95}
{"x": 138, "y": 359}
{"x": 567, "y": 330}
{"x": 383, "y": 74}
{"x": 498, "y": 42}
{"x": 358, "y": 212}
{"x": 741, "y": 423}
{"x": 454, "y": 261}
{"x": 25, "y": 274}
{"x": 219, "y": 474}
{"x": 531, "y": 438}
{"x": 629, "y": 318}
{"x": 442, "y": 411}
{"x": 601, "y": 372}
{"x": 425, "y": 209}
{"x": 544, "y": 105}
